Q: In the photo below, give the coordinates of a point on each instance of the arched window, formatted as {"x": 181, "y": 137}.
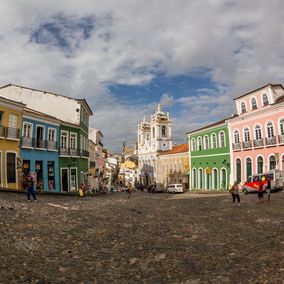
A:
{"x": 248, "y": 166}
{"x": 237, "y": 136}
{"x": 257, "y": 131}
{"x": 270, "y": 130}
{"x": 253, "y": 103}
{"x": 153, "y": 132}
{"x": 222, "y": 139}
{"x": 213, "y": 141}
{"x": 246, "y": 135}
{"x": 243, "y": 107}
{"x": 223, "y": 179}
{"x": 272, "y": 163}
{"x": 207, "y": 176}
{"x": 215, "y": 178}
{"x": 206, "y": 142}
{"x": 193, "y": 145}
{"x": 199, "y": 143}
{"x": 200, "y": 178}
{"x": 238, "y": 170}
{"x": 265, "y": 101}
{"x": 259, "y": 165}
{"x": 281, "y": 124}
{"x": 194, "y": 178}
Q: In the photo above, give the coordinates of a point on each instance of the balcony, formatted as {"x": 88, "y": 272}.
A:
{"x": 64, "y": 151}
{"x": 281, "y": 139}
{"x": 39, "y": 143}
{"x": 74, "y": 152}
{"x": 51, "y": 145}
{"x": 247, "y": 145}
{"x": 258, "y": 143}
{"x": 12, "y": 133}
{"x": 270, "y": 141}
{"x": 27, "y": 142}
{"x": 84, "y": 153}
{"x": 237, "y": 146}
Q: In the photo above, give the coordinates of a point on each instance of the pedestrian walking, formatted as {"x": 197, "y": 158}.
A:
{"x": 235, "y": 193}
{"x": 268, "y": 189}
{"x": 260, "y": 190}
{"x": 129, "y": 190}
{"x": 30, "y": 187}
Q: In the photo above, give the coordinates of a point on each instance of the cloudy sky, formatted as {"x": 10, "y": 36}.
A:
{"x": 126, "y": 56}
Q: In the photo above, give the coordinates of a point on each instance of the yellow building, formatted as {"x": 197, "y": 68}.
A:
{"x": 11, "y": 114}
{"x": 173, "y": 166}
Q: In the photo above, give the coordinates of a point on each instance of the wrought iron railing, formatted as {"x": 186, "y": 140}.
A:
{"x": 51, "y": 145}
{"x": 247, "y": 144}
{"x": 12, "y": 133}
{"x": 237, "y": 146}
{"x": 258, "y": 143}
{"x": 27, "y": 142}
{"x": 281, "y": 139}
{"x": 270, "y": 141}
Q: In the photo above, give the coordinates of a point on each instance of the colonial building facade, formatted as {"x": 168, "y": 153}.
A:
{"x": 73, "y": 115}
{"x": 257, "y": 132}
{"x": 10, "y": 161}
{"x": 153, "y": 137}
{"x": 39, "y": 149}
{"x": 210, "y": 157}
{"x": 173, "y": 166}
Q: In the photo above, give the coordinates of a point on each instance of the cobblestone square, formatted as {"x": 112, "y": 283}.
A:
{"x": 149, "y": 238}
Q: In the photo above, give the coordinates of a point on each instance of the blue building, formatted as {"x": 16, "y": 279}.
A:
{"x": 39, "y": 149}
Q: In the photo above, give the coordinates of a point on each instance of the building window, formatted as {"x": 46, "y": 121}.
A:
{"x": 51, "y": 135}
{"x": 253, "y": 104}
{"x": 153, "y": 131}
{"x": 164, "y": 131}
{"x": 222, "y": 139}
{"x": 11, "y": 167}
{"x": 214, "y": 141}
{"x": 281, "y": 126}
{"x": 272, "y": 163}
{"x": 258, "y": 134}
{"x": 64, "y": 140}
{"x": 193, "y": 145}
{"x": 199, "y": 143}
{"x": 200, "y": 178}
{"x": 27, "y": 130}
{"x": 73, "y": 140}
{"x": 40, "y": 137}
{"x": 237, "y": 136}
{"x": 248, "y": 166}
{"x": 12, "y": 127}
{"x": 270, "y": 130}
{"x": 246, "y": 135}
{"x": 0, "y": 168}
{"x": 243, "y": 107}
{"x": 259, "y": 165}
{"x": 265, "y": 101}
{"x": 238, "y": 170}
{"x": 1, "y": 115}
{"x": 206, "y": 142}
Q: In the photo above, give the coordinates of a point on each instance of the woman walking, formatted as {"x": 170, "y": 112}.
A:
{"x": 235, "y": 193}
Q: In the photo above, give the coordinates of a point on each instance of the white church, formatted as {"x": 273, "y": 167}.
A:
{"x": 153, "y": 137}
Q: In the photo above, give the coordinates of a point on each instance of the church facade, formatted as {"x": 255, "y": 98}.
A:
{"x": 154, "y": 137}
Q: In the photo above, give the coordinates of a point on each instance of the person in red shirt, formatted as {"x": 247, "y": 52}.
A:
{"x": 260, "y": 190}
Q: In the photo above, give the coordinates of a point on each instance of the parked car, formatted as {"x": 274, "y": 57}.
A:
{"x": 253, "y": 182}
{"x": 175, "y": 187}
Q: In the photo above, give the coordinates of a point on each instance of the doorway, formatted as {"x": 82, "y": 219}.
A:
{"x": 64, "y": 180}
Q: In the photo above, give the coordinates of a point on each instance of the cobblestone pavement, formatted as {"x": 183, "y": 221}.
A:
{"x": 149, "y": 238}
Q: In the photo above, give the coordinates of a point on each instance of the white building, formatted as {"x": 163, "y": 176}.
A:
{"x": 153, "y": 137}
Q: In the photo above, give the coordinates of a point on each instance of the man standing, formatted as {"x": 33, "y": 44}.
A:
{"x": 268, "y": 188}
{"x": 30, "y": 187}
{"x": 260, "y": 190}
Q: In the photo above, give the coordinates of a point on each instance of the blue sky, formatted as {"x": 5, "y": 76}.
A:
{"x": 126, "y": 56}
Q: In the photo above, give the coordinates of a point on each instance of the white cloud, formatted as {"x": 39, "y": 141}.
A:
{"x": 237, "y": 44}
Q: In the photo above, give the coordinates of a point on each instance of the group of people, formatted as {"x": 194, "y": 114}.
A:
{"x": 234, "y": 190}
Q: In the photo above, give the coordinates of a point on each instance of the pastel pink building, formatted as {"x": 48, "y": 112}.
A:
{"x": 257, "y": 132}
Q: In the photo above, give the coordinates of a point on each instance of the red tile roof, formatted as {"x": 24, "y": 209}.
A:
{"x": 181, "y": 148}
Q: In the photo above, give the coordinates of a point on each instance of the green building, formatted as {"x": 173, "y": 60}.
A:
{"x": 209, "y": 155}
{"x": 73, "y": 150}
